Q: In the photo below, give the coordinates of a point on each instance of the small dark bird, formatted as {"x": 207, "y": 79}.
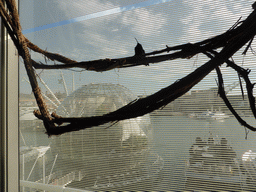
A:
{"x": 139, "y": 51}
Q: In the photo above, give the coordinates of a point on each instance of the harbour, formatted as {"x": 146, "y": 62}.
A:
{"x": 173, "y": 138}
{"x": 152, "y": 152}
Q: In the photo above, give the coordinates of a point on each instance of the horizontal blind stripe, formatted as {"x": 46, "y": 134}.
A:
{"x": 192, "y": 144}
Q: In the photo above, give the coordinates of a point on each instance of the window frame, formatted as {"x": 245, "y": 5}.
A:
{"x": 9, "y": 114}
{"x": 9, "y": 144}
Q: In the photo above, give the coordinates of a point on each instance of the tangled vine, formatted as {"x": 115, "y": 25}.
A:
{"x": 240, "y": 34}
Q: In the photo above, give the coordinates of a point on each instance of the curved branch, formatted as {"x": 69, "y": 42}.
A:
{"x": 108, "y": 64}
{"x": 249, "y": 86}
{"x": 166, "y": 95}
{"x": 187, "y": 50}
{"x": 51, "y": 56}
{"x": 18, "y": 38}
{"x": 231, "y": 41}
{"x": 222, "y": 94}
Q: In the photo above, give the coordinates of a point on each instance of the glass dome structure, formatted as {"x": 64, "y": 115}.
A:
{"x": 110, "y": 155}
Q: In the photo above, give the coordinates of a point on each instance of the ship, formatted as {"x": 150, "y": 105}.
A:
{"x": 210, "y": 115}
{"x": 214, "y": 166}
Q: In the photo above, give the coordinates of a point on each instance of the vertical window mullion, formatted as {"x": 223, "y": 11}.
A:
{"x": 9, "y": 115}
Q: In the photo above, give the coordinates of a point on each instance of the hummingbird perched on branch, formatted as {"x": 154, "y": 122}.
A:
{"x": 139, "y": 51}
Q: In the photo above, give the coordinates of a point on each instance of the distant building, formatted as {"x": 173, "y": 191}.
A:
{"x": 109, "y": 156}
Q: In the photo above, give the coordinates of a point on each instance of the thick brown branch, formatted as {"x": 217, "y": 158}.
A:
{"x": 231, "y": 41}
{"x": 185, "y": 51}
{"x": 182, "y": 51}
{"x": 19, "y": 40}
{"x": 51, "y": 56}
{"x": 166, "y": 95}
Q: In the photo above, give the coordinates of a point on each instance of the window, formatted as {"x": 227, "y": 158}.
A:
{"x": 193, "y": 143}
{"x": 9, "y": 115}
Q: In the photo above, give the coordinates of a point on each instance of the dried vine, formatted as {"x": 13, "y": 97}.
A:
{"x": 12, "y": 24}
{"x": 231, "y": 41}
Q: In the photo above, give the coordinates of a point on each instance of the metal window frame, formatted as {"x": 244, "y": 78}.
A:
{"x": 9, "y": 93}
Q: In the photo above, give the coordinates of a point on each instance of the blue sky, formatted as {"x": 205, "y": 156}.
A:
{"x": 95, "y": 15}
{"x": 87, "y": 30}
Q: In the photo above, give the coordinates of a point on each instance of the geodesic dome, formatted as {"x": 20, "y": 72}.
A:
{"x": 108, "y": 155}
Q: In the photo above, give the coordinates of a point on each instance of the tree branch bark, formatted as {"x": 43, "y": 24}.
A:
{"x": 166, "y": 95}
{"x": 231, "y": 41}
{"x": 14, "y": 29}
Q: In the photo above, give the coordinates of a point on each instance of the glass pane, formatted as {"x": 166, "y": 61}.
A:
{"x": 193, "y": 143}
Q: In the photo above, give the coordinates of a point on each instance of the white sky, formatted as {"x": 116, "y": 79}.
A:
{"x": 106, "y": 29}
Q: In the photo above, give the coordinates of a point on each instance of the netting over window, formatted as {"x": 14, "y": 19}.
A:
{"x": 191, "y": 142}
{"x": 106, "y": 156}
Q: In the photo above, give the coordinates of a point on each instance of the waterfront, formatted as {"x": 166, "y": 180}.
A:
{"x": 173, "y": 137}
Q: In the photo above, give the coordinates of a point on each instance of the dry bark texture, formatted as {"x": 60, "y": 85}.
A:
{"x": 241, "y": 33}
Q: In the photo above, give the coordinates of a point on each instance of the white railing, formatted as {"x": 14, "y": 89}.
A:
{"x": 65, "y": 179}
{"x": 27, "y": 185}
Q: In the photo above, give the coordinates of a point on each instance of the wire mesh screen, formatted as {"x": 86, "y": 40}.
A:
{"x": 113, "y": 155}
{"x": 193, "y": 143}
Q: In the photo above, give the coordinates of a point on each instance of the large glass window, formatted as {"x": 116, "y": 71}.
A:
{"x": 193, "y": 143}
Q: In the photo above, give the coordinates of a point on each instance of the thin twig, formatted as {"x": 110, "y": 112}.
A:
{"x": 222, "y": 94}
{"x": 231, "y": 41}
